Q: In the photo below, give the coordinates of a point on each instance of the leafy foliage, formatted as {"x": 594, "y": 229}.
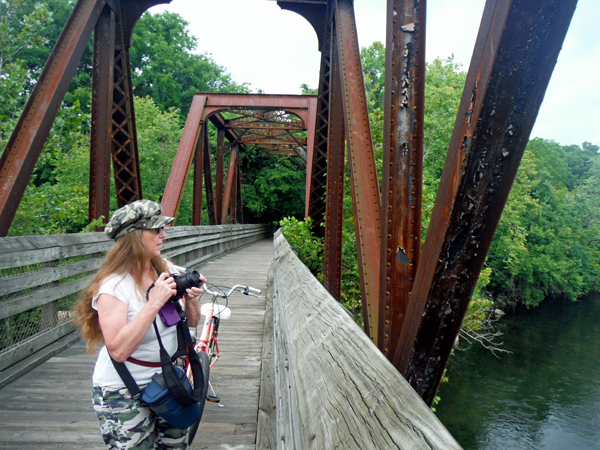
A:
{"x": 309, "y": 248}
{"x": 274, "y": 188}
{"x": 165, "y": 67}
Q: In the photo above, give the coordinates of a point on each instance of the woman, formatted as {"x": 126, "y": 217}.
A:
{"x": 118, "y": 308}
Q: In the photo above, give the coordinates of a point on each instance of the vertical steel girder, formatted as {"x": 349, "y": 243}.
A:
{"x": 101, "y": 127}
{"x": 402, "y": 174}
{"x": 219, "y": 174}
{"x": 238, "y": 203}
{"x": 199, "y": 155}
{"x": 183, "y": 159}
{"x": 334, "y": 214}
{"x": 208, "y": 181}
{"x": 126, "y": 166}
{"x": 515, "y": 53}
{"x": 26, "y": 142}
{"x": 365, "y": 186}
{"x": 316, "y": 163}
{"x": 233, "y": 156}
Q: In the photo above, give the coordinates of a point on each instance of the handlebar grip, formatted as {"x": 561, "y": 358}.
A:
{"x": 258, "y": 291}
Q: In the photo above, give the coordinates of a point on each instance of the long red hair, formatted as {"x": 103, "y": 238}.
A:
{"x": 127, "y": 255}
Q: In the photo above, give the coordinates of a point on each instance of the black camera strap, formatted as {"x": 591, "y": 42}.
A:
{"x": 185, "y": 347}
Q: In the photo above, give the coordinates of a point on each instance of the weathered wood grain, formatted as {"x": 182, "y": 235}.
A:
{"x": 267, "y": 424}
{"x": 334, "y": 387}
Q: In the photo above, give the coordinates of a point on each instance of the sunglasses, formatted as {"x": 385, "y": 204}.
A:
{"x": 157, "y": 230}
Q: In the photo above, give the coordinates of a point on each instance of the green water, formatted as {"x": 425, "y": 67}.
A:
{"x": 545, "y": 395}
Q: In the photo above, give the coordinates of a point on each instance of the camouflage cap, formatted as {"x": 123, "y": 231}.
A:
{"x": 138, "y": 215}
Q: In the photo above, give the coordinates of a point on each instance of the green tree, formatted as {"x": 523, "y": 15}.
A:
{"x": 373, "y": 64}
{"x": 275, "y": 187}
{"x": 20, "y": 30}
{"x": 165, "y": 68}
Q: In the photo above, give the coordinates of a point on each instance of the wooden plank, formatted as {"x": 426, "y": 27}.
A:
{"x": 38, "y": 298}
{"x": 30, "y": 280}
{"x": 340, "y": 391}
{"x": 267, "y": 424}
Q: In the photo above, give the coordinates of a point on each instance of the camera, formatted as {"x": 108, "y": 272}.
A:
{"x": 168, "y": 313}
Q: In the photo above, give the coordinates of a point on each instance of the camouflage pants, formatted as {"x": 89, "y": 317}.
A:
{"x": 127, "y": 424}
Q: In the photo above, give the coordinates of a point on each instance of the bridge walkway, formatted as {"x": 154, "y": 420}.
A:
{"x": 50, "y": 407}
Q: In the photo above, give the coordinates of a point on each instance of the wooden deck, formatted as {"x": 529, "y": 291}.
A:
{"x": 50, "y": 407}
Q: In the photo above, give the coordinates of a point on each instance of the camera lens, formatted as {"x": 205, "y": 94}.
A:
{"x": 186, "y": 281}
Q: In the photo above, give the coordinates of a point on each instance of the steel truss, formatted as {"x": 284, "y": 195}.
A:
{"x": 413, "y": 300}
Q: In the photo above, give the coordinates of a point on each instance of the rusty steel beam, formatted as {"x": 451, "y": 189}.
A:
{"x": 402, "y": 173}
{"x": 316, "y": 164}
{"x": 101, "y": 126}
{"x": 219, "y": 174}
{"x": 238, "y": 209}
{"x": 126, "y": 166}
{"x": 363, "y": 171}
{"x": 199, "y": 154}
{"x": 336, "y": 163}
{"x": 229, "y": 184}
{"x": 208, "y": 181}
{"x": 25, "y": 144}
{"x": 234, "y": 193}
{"x": 257, "y": 101}
{"x": 183, "y": 159}
{"x": 515, "y": 53}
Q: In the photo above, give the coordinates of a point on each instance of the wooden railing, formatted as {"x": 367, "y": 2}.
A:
{"x": 41, "y": 277}
{"x": 333, "y": 387}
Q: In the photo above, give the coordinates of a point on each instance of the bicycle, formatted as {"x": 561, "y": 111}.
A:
{"x": 207, "y": 345}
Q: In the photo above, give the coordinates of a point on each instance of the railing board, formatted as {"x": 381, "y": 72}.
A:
{"x": 42, "y": 297}
{"x": 26, "y": 348}
{"x": 335, "y": 388}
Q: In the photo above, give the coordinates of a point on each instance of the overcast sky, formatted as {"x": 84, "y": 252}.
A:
{"x": 276, "y": 51}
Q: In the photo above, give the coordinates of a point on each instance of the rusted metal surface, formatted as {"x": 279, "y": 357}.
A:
{"x": 233, "y": 156}
{"x": 126, "y": 165}
{"x": 365, "y": 186}
{"x": 208, "y": 181}
{"x": 101, "y": 126}
{"x": 516, "y": 50}
{"x": 26, "y": 142}
{"x": 402, "y": 169}
{"x": 183, "y": 159}
{"x": 219, "y": 174}
{"x": 198, "y": 174}
{"x": 316, "y": 165}
{"x": 336, "y": 163}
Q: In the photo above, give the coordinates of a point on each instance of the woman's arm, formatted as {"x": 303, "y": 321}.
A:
{"x": 122, "y": 338}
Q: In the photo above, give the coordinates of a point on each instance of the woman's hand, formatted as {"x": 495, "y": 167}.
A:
{"x": 164, "y": 288}
{"x": 192, "y": 307}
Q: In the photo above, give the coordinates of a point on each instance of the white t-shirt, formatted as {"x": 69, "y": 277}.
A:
{"x": 124, "y": 288}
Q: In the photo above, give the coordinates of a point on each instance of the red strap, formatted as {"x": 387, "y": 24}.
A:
{"x": 143, "y": 363}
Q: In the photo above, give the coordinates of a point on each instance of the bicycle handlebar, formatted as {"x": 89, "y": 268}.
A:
{"x": 247, "y": 290}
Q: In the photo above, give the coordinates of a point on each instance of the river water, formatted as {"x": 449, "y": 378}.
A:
{"x": 545, "y": 395}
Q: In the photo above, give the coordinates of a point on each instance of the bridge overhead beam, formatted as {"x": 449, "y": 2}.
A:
{"x": 25, "y": 144}
{"x": 402, "y": 170}
{"x": 363, "y": 171}
{"x": 515, "y": 53}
